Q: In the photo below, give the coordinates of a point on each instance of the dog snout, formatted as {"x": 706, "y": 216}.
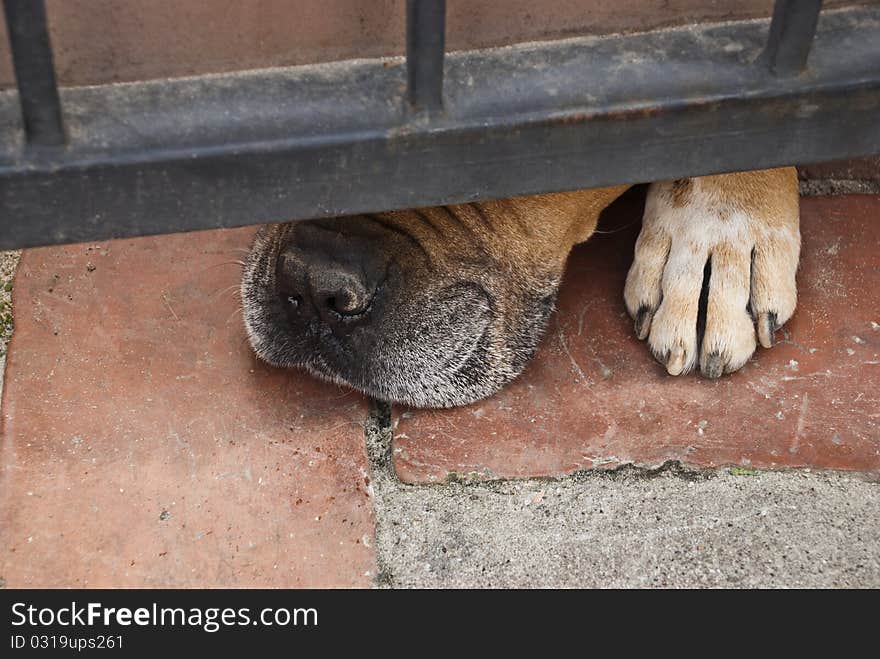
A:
{"x": 313, "y": 286}
{"x": 338, "y": 289}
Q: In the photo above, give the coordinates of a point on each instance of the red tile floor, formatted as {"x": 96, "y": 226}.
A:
{"x": 143, "y": 445}
{"x": 594, "y": 397}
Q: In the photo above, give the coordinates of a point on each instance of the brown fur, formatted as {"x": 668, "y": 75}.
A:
{"x": 681, "y": 190}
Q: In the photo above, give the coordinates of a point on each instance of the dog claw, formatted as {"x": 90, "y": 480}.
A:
{"x": 643, "y": 322}
{"x": 766, "y": 326}
{"x": 714, "y": 366}
{"x": 675, "y": 362}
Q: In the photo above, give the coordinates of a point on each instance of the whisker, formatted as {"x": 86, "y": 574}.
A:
{"x": 236, "y": 312}
{"x": 237, "y": 262}
{"x": 223, "y": 291}
{"x": 618, "y": 229}
{"x": 347, "y": 393}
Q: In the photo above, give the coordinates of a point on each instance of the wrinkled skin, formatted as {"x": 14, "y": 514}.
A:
{"x": 443, "y": 306}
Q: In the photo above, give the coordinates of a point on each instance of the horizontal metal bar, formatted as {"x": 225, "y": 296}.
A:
{"x": 221, "y": 151}
{"x": 425, "y": 43}
{"x": 791, "y": 34}
{"x": 34, "y": 71}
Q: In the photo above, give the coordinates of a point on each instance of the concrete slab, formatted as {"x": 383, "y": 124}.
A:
{"x": 632, "y": 528}
{"x": 594, "y": 397}
{"x": 143, "y": 445}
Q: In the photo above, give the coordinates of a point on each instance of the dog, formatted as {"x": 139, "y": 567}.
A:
{"x": 443, "y": 306}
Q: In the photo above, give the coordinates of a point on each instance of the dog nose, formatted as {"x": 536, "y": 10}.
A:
{"x": 337, "y": 289}
{"x": 315, "y": 286}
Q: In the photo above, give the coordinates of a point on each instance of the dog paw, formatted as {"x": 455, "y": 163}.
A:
{"x": 728, "y": 245}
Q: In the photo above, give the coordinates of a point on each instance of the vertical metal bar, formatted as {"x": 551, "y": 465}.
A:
{"x": 425, "y": 43}
{"x": 791, "y": 35}
{"x": 34, "y": 71}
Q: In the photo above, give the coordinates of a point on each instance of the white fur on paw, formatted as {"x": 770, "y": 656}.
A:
{"x": 753, "y": 254}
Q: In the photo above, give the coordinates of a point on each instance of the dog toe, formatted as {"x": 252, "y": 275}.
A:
{"x": 773, "y": 287}
{"x": 729, "y": 337}
{"x": 642, "y": 292}
{"x": 672, "y": 336}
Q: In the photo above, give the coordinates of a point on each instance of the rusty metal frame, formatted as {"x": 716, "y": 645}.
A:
{"x": 351, "y": 137}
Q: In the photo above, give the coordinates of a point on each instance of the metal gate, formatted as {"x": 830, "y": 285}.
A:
{"x": 111, "y": 161}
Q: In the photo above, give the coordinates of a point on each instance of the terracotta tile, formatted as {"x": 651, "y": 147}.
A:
{"x": 143, "y": 445}
{"x": 594, "y": 397}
